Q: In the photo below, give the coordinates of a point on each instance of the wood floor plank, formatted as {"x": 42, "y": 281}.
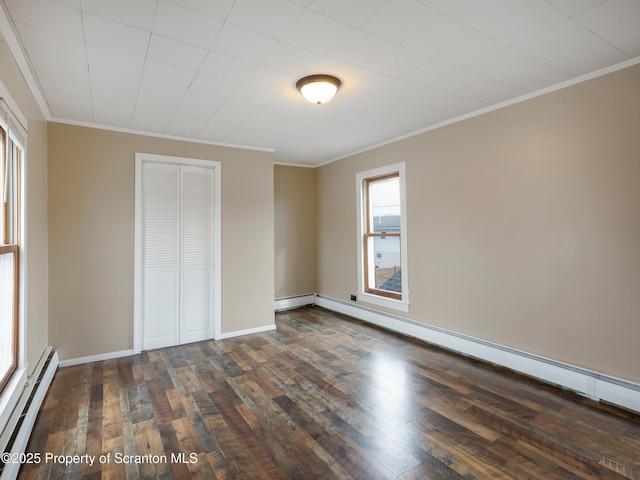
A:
{"x": 111, "y": 409}
{"x": 328, "y": 397}
{"x": 172, "y": 447}
{"x": 111, "y": 469}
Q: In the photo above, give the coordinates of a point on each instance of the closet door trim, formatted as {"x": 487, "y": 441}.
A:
{"x": 138, "y": 306}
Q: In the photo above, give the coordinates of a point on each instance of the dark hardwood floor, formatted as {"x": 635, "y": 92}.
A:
{"x": 323, "y": 397}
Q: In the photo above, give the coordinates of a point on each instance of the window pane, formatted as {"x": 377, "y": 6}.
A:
{"x": 3, "y": 168}
{"x": 11, "y": 194}
{"x": 384, "y": 251}
{"x": 7, "y": 309}
{"x": 385, "y": 205}
{"x": 386, "y": 260}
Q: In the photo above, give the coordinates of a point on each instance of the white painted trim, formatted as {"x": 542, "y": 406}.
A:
{"x": 249, "y": 331}
{"x": 14, "y": 46}
{"x": 585, "y": 382}
{"x": 299, "y": 165}
{"x": 20, "y": 122}
{"x": 96, "y": 358}
{"x": 24, "y": 256}
{"x": 286, "y": 303}
{"x": 172, "y": 159}
{"x": 16, "y": 124}
{"x": 178, "y": 138}
{"x": 497, "y": 106}
{"x": 138, "y": 254}
{"x": 138, "y": 268}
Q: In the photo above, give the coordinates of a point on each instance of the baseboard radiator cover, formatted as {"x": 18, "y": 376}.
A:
{"x": 15, "y": 436}
{"x": 587, "y": 383}
{"x": 295, "y": 301}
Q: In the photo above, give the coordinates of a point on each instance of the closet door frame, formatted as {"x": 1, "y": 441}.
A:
{"x": 138, "y": 300}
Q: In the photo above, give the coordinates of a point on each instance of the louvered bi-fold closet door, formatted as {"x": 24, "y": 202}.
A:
{"x": 196, "y": 315}
{"x": 177, "y": 218}
{"x": 161, "y": 246}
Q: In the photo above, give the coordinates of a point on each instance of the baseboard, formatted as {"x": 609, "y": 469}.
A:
{"x": 16, "y": 435}
{"x": 296, "y": 301}
{"x": 248, "y": 331}
{"x": 96, "y": 358}
{"x": 126, "y": 353}
{"x": 587, "y": 383}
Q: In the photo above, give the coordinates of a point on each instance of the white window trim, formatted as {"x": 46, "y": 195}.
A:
{"x": 363, "y": 296}
{"x": 15, "y": 125}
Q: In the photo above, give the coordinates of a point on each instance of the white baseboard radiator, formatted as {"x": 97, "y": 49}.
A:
{"x": 590, "y": 384}
{"x": 15, "y": 435}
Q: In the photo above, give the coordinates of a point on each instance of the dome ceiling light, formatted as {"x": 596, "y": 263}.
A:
{"x": 318, "y": 88}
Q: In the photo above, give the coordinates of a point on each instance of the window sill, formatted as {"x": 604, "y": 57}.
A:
{"x": 399, "y": 305}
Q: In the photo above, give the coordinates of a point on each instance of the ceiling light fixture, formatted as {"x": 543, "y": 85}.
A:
{"x": 318, "y": 88}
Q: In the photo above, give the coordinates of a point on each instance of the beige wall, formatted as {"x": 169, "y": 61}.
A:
{"x": 91, "y": 236}
{"x": 36, "y": 214}
{"x": 523, "y": 225}
{"x": 295, "y": 230}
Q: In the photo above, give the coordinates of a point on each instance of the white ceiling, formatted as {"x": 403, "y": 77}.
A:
{"x": 225, "y": 70}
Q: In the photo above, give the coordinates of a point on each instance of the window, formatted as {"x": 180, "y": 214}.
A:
{"x": 382, "y": 251}
{"x": 10, "y": 161}
{"x": 9, "y": 175}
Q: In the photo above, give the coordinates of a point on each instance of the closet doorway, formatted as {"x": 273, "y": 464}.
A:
{"x": 177, "y": 251}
